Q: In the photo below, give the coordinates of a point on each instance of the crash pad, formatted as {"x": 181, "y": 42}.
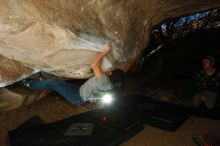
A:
{"x": 82, "y": 130}
{"x": 162, "y": 115}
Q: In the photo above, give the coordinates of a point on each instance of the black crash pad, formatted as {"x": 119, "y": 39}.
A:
{"x": 81, "y": 130}
{"x": 158, "y": 114}
{"x": 125, "y": 123}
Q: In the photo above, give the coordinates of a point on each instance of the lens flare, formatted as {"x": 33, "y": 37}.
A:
{"x": 107, "y": 99}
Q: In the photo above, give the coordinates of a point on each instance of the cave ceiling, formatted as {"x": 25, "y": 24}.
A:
{"x": 62, "y": 37}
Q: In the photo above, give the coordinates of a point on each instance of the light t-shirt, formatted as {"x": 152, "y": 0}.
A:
{"x": 95, "y": 87}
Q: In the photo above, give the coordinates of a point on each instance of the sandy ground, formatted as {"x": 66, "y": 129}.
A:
{"x": 54, "y": 108}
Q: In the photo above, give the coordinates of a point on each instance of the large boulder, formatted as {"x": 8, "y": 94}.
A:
{"x": 63, "y": 36}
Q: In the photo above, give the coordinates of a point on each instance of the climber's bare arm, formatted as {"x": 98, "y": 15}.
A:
{"x": 96, "y": 65}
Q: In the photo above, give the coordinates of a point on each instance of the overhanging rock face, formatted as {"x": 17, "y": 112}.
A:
{"x": 62, "y": 37}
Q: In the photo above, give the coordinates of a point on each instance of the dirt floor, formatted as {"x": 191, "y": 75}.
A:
{"x": 55, "y": 108}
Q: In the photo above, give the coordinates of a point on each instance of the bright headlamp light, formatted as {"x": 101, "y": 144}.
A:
{"x": 107, "y": 98}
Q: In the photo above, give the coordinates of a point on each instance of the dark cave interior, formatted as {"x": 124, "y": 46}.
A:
{"x": 175, "y": 54}
{"x": 182, "y": 58}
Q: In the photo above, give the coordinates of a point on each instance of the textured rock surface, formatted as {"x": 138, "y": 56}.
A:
{"x": 11, "y": 71}
{"x": 62, "y": 36}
